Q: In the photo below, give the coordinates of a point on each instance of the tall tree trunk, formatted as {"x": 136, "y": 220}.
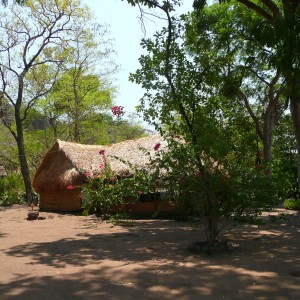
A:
{"x": 295, "y": 114}
{"x": 76, "y": 119}
{"x": 23, "y": 159}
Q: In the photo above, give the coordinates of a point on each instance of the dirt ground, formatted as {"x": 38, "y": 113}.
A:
{"x": 64, "y": 256}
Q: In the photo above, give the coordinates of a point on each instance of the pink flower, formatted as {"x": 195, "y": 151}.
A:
{"x": 198, "y": 174}
{"x": 102, "y": 152}
{"x": 156, "y": 147}
{"x": 87, "y": 173}
{"x": 140, "y": 192}
{"x": 70, "y": 187}
{"x": 101, "y": 166}
{"x": 117, "y": 111}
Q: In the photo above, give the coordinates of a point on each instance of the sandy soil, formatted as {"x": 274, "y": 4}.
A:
{"x": 73, "y": 257}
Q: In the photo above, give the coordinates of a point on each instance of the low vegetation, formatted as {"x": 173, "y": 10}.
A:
{"x": 292, "y": 204}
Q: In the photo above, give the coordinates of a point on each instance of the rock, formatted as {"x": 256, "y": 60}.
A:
{"x": 32, "y": 215}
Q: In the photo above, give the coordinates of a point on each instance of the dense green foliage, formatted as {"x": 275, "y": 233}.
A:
{"x": 12, "y": 190}
{"x": 292, "y": 204}
{"x": 211, "y": 79}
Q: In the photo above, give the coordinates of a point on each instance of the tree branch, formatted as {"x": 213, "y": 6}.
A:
{"x": 259, "y": 10}
{"x": 253, "y": 116}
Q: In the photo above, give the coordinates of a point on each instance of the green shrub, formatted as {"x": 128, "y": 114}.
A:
{"x": 106, "y": 192}
{"x": 12, "y": 190}
{"x": 291, "y": 204}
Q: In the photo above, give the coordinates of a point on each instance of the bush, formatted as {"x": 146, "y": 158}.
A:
{"x": 106, "y": 192}
{"x": 292, "y": 204}
{"x": 12, "y": 190}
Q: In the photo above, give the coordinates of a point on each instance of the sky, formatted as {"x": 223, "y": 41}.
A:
{"x": 125, "y": 30}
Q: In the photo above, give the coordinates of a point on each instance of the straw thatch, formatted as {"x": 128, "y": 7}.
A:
{"x": 2, "y": 172}
{"x": 67, "y": 163}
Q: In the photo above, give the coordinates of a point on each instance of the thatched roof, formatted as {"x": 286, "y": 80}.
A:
{"x": 66, "y": 162}
{"x": 2, "y": 171}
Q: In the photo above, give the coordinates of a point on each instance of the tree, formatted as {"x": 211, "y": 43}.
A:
{"x": 177, "y": 102}
{"x": 74, "y": 98}
{"x": 33, "y": 40}
{"x": 278, "y": 31}
{"x": 281, "y": 31}
{"x": 246, "y": 75}
{"x": 89, "y": 67}
{"x": 183, "y": 98}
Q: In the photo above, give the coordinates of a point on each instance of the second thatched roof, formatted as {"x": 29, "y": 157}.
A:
{"x": 67, "y": 163}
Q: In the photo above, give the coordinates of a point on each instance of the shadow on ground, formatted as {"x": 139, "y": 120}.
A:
{"x": 151, "y": 261}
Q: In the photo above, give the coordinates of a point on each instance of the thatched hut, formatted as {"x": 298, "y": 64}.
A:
{"x": 67, "y": 163}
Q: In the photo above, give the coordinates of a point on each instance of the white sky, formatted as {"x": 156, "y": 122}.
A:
{"x": 127, "y": 33}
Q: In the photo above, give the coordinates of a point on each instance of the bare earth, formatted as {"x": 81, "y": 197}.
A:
{"x": 74, "y": 257}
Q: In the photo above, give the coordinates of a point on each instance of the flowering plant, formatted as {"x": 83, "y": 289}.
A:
{"x": 118, "y": 111}
{"x": 156, "y": 147}
{"x": 105, "y": 192}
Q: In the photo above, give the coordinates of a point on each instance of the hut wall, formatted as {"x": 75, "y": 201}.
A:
{"x": 69, "y": 200}
{"x": 147, "y": 208}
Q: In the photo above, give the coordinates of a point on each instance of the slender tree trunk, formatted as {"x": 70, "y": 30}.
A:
{"x": 210, "y": 213}
{"x": 268, "y": 135}
{"x": 212, "y": 229}
{"x": 76, "y": 129}
{"x": 76, "y": 116}
{"x": 23, "y": 159}
{"x": 53, "y": 126}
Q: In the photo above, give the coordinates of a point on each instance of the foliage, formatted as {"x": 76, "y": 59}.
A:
{"x": 279, "y": 30}
{"x": 292, "y": 204}
{"x": 106, "y": 193}
{"x": 285, "y": 160}
{"x": 12, "y": 190}
{"x": 76, "y": 97}
{"x": 33, "y": 47}
{"x": 212, "y": 171}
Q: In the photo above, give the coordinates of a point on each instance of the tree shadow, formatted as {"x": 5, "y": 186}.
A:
{"x": 151, "y": 261}
{"x": 166, "y": 281}
{"x": 138, "y": 244}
